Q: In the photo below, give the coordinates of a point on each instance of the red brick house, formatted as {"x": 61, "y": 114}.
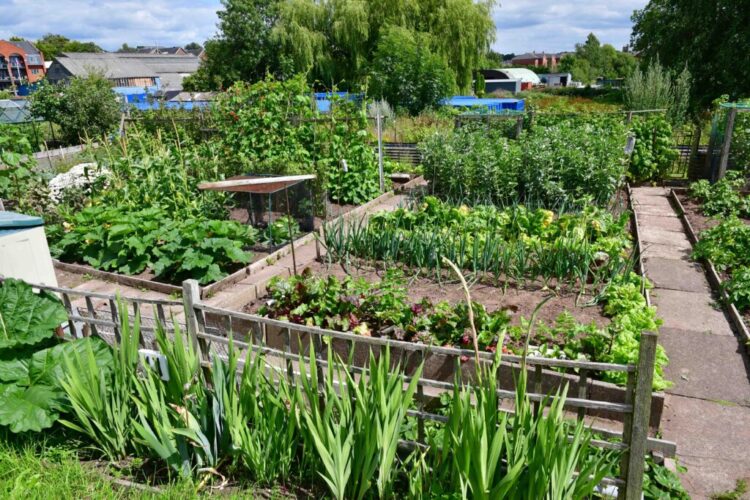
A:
{"x": 20, "y": 63}
{"x": 540, "y": 59}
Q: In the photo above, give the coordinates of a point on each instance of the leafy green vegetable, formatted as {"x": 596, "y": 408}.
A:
{"x": 31, "y": 357}
{"x": 27, "y": 318}
{"x": 724, "y": 197}
{"x": 121, "y": 240}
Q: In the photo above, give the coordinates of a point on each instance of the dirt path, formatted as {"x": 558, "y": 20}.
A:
{"x": 707, "y": 411}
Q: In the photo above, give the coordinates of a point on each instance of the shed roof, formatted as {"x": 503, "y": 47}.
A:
{"x": 113, "y": 66}
{"x": 523, "y": 74}
{"x": 165, "y": 63}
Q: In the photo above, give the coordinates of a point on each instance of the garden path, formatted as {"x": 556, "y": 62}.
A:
{"x": 707, "y": 410}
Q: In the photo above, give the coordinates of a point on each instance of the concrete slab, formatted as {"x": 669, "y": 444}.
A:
{"x": 662, "y": 237}
{"x": 661, "y": 210}
{"x": 651, "y": 250}
{"x": 711, "y": 442}
{"x": 676, "y": 274}
{"x": 661, "y": 222}
{"x": 690, "y": 311}
{"x": 717, "y": 371}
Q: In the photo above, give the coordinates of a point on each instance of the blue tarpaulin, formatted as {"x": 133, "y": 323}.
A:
{"x": 493, "y": 105}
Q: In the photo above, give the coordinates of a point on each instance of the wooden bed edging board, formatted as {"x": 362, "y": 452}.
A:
{"x": 118, "y": 278}
{"x": 713, "y": 276}
{"x": 271, "y": 259}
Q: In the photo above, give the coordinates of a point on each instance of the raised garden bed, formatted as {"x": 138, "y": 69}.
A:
{"x": 518, "y": 301}
{"x": 695, "y": 222}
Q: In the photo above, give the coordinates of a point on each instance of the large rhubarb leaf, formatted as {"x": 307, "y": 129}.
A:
{"x": 27, "y": 318}
{"x": 29, "y": 408}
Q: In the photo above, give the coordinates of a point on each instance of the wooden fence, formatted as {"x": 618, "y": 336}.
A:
{"x": 285, "y": 345}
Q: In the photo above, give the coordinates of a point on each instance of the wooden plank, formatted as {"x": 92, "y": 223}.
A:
{"x": 117, "y": 278}
{"x": 250, "y": 184}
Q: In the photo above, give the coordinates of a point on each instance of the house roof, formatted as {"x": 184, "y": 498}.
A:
{"x": 27, "y": 47}
{"x": 113, "y": 66}
{"x": 153, "y": 49}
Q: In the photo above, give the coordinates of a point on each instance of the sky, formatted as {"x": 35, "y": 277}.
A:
{"x": 522, "y": 25}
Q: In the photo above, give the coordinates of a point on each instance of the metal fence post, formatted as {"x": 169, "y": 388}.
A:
{"x": 191, "y": 294}
{"x": 633, "y": 463}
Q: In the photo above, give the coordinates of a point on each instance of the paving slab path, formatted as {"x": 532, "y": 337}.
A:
{"x": 707, "y": 410}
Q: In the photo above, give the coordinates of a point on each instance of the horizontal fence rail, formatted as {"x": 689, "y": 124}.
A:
{"x": 285, "y": 345}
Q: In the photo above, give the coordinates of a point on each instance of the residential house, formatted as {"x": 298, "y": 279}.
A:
{"x": 20, "y": 64}
{"x": 537, "y": 59}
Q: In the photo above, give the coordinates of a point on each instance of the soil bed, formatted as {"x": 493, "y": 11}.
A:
{"x": 518, "y": 301}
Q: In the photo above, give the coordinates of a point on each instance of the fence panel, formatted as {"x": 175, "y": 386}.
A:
{"x": 286, "y": 345}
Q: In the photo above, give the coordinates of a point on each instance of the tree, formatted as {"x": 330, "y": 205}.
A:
{"x": 335, "y": 40}
{"x": 84, "y": 108}
{"x": 707, "y": 36}
{"x": 127, "y": 49}
{"x": 407, "y": 74}
{"x": 592, "y": 60}
{"x": 243, "y": 49}
{"x": 193, "y": 46}
{"x": 52, "y": 45}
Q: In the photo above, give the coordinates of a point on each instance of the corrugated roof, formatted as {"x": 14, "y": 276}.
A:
{"x": 165, "y": 63}
{"x": 523, "y": 74}
{"x": 113, "y": 66}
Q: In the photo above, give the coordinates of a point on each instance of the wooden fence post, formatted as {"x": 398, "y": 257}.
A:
{"x": 519, "y": 127}
{"x": 191, "y": 294}
{"x": 726, "y": 145}
{"x": 633, "y": 463}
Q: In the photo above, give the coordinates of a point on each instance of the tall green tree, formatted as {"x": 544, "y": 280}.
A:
{"x": 591, "y": 60}
{"x": 52, "y": 45}
{"x": 710, "y": 37}
{"x": 406, "y": 73}
{"x": 243, "y": 49}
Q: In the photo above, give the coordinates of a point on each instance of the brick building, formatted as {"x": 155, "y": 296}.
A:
{"x": 20, "y": 63}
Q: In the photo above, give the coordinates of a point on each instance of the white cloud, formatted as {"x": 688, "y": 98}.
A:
{"x": 544, "y": 25}
{"x": 109, "y": 23}
{"x": 522, "y": 25}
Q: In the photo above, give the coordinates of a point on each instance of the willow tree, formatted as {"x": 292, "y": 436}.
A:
{"x": 335, "y": 40}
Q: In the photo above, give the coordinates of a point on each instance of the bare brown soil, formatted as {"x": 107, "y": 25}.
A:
{"x": 518, "y": 301}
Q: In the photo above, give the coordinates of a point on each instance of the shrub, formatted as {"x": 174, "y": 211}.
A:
{"x": 654, "y": 154}
{"x": 86, "y": 107}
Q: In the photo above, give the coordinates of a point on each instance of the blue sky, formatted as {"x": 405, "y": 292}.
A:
{"x": 523, "y": 25}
